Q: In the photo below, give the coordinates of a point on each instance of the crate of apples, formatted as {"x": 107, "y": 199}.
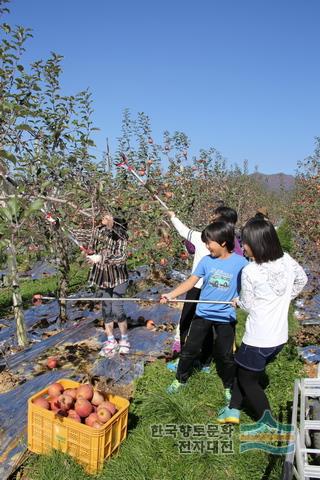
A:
{"x": 66, "y": 410}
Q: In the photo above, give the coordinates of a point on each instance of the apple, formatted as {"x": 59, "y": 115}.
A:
{"x": 93, "y": 417}
{"x": 55, "y": 389}
{"x": 104, "y": 415}
{"x": 168, "y": 195}
{"x": 42, "y": 402}
{"x": 65, "y": 402}
{"x": 83, "y": 407}
{"x": 97, "y": 398}
{"x": 54, "y": 404}
{"x": 74, "y": 416}
{"x": 150, "y": 324}
{"x": 72, "y": 392}
{"x": 52, "y": 362}
{"x": 163, "y": 262}
{"x": 85, "y": 391}
{"x": 109, "y": 406}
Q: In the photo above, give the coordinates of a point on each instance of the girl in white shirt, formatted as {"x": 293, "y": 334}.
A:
{"x": 268, "y": 285}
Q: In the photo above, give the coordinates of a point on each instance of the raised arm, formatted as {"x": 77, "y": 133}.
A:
{"x": 181, "y": 228}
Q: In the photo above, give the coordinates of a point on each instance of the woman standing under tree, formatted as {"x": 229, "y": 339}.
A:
{"x": 110, "y": 274}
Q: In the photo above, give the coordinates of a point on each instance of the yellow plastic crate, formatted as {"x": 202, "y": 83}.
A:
{"x": 90, "y": 446}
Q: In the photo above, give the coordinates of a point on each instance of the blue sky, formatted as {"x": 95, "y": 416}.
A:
{"x": 242, "y": 76}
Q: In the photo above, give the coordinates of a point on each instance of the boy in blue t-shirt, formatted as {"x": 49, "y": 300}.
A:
{"x": 221, "y": 273}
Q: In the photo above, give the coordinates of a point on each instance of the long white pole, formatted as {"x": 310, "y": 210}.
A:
{"x": 126, "y": 299}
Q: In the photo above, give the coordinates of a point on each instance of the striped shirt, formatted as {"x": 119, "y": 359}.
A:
{"x": 112, "y": 269}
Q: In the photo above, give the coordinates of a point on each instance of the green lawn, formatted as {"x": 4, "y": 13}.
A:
{"x": 143, "y": 457}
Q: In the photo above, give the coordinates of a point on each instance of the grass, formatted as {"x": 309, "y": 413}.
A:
{"x": 143, "y": 457}
{"x": 45, "y": 285}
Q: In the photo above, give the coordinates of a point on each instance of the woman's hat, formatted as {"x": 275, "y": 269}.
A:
{"x": 264, "y": 211}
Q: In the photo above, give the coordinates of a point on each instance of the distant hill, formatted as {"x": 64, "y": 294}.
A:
{"x": 276, "y": 181}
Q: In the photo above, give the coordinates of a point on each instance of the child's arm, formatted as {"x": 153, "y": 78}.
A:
{"x": 300, "y": 279}
{"x": 246, "y": 298}
{"x": 184, "y": 287}
{"x": 181, "y": 228}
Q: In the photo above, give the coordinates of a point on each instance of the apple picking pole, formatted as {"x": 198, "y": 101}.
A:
{"x": 37, "y": 299}
{"x": 130, "y": 169}
{"x": 54, "y": 221}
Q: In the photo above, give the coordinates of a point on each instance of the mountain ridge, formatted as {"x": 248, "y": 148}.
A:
{"x": 275, "y": 182}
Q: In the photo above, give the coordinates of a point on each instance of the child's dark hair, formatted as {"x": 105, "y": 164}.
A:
{"x": 219, "y": 232}
{"x": 226, "y": 214}
{"x": 259, "y": 215}
{"x": 263, "y": 240}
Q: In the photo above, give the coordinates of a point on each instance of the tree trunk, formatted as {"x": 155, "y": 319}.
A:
{"x": 64, "y": 268}
{"x": 16, "y": 297}
{"x": 62, "y": 303}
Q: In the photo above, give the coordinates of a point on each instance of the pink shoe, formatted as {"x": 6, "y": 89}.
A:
{"x": 176, "y": 346}
{"x": 124, "y": 346}
{"x": 109, "y": 348}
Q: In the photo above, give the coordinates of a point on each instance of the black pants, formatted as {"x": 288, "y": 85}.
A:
{"x": 187, "y": 314}
{"x": 247, "y": 384}
{"x": 223, "y": 354}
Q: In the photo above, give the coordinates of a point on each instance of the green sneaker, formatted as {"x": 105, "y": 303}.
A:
{"x": 229, "y": 415}
{"x": 175, "y": 386}
{"x": 227, "y": 395}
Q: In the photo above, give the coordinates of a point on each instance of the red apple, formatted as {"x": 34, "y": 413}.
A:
{"x": 52, "y": 362}
{"x": 54, "y": 404}
{"x": 104, "y": 415}
{"x": 150, "y": 324}
{"x": 42, "y": 402}
{"x": 168, "y": 195}
{"x": 72, "y": 392}
{"x": 74, "y": 416}
{"x": 93, "y": 417}
{"x": 85, "y": 391}
{"x": 163, "y": 262}
{"x": 65, "y": 402}
{"x": 83, "y": 407}
{"x": 109, "y": 406}
{"x": 55, "y": 390}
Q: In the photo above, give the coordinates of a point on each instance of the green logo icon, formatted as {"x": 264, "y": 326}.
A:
{"x": 268, "y": 435}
